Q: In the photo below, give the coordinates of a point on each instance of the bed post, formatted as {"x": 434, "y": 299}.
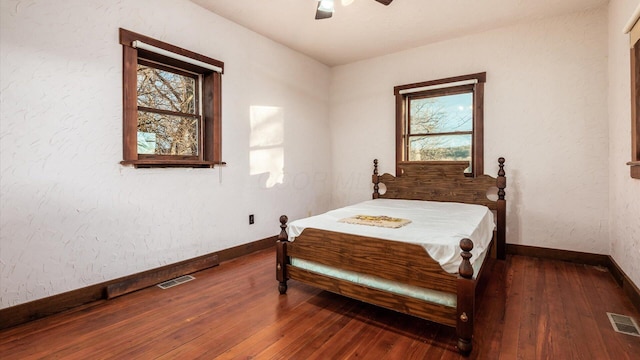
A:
{"x": 501, "y": 183}
{"x": 466, "y": 299}
{"x": 281, "y": 257}
{"x": 375, "y": 179}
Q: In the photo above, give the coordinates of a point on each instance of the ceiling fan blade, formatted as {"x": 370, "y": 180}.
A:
{"x": 323, "y": 14}
{"x": 384, "y": 2}
{"x": 320, "y": 14}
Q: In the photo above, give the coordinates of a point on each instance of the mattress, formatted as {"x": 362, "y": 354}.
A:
{"x": 437, "y": 226}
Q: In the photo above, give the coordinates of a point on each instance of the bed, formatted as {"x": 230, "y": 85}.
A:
{"x": 375, "y": 267}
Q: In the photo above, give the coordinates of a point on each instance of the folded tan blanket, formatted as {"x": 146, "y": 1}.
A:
{"x": 378, "y": 220}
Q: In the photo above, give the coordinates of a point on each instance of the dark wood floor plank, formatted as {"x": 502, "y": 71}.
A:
{"x": 242, "y": 318}
{"x": 446, "y": 348}
{"x": 531, "y": 309}
{"x": 388, "y": 324}
{"x": 338, "y": 345}
{"x": 320, "y": 335}
{"x": 207, "y": 319}
{"x": 558, "y": 313}
{"x": 544, "y": 293}
{"x": 295, "y": 335}
{"x": 549, "y": 303}
{"x": 239, "y": 328}
{"x": 173, "y": 319}
{"x": 366, "y": 338}
{"x": 514, "y": 291}
{"x": 293, "y": 321}
{"x": 490, "y": 313}
{"x": 116, "y": 314}
{"x": 412, "y": 344}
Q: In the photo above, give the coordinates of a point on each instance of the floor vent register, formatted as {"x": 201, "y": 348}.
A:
{"x": 175, "y": 282}
{"x": 624, "y": 324}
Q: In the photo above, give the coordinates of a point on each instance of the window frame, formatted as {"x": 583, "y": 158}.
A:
{"x": 210, "y": 125}
{"x": 635, "y": 110}
{"x": 442, "y": 87}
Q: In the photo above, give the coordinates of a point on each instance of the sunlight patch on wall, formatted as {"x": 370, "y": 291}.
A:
{"x": 266, "y": 151}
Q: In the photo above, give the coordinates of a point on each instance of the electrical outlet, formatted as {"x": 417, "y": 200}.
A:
{"x": 251, "y": 219}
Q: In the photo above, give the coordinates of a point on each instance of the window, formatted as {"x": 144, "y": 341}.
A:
{"x": 171, "y": 102}
{"x": 441, "y": 120}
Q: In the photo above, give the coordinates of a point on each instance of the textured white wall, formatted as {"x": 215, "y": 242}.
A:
{"x": 71, "y": 216}
{"x": 545, "y": 112}
{"x": 625, "y": 191}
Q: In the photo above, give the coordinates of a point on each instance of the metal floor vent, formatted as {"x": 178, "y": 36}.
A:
{"x": 175, "y": 282}
{"x": 624, "y": 324}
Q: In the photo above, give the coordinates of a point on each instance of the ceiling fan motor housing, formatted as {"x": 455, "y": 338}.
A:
{"x": 325, "y": 8}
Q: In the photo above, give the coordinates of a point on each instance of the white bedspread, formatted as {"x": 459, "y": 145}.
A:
{"x": 437, "y": 226}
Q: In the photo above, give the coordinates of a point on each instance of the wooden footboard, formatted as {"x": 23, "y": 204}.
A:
{"x": 391, "y": 260}
{"x": 394, "y": 261}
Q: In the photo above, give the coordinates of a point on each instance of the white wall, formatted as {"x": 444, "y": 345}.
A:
{"x": 545, "y": 112}
{"x": 71, "y": 216}
{"x": 625, "y": 192}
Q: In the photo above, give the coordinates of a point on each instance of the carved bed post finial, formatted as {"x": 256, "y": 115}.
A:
{"x": 501, "y": 182}
{"x": 283, "y": 228}
{"x": 281, "y": 255}
{"x": 375, "y": 179}
{"x": 466, "y": 270}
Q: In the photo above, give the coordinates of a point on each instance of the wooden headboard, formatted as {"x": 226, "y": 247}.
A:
{"x": 438, "y": 181}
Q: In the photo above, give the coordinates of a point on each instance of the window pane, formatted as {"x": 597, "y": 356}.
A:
{"x": 440, "y": 147}
{"x": 162, "y": 134}
{"x": 165, "y": 90}
{"x": 439, "y": 114}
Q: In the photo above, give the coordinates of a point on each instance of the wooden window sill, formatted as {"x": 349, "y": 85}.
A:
{"x": 171, "y": 163}
{"x": 635, "y": 169}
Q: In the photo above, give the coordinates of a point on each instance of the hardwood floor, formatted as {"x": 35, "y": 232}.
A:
{"x": 533, "y": 309}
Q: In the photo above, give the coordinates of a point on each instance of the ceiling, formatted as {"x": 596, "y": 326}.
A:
{"x": 361, "y": 29}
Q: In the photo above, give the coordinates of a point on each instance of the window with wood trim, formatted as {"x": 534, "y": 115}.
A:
{"x": 441, "y": 120}
{"x": 172, "y": 105}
